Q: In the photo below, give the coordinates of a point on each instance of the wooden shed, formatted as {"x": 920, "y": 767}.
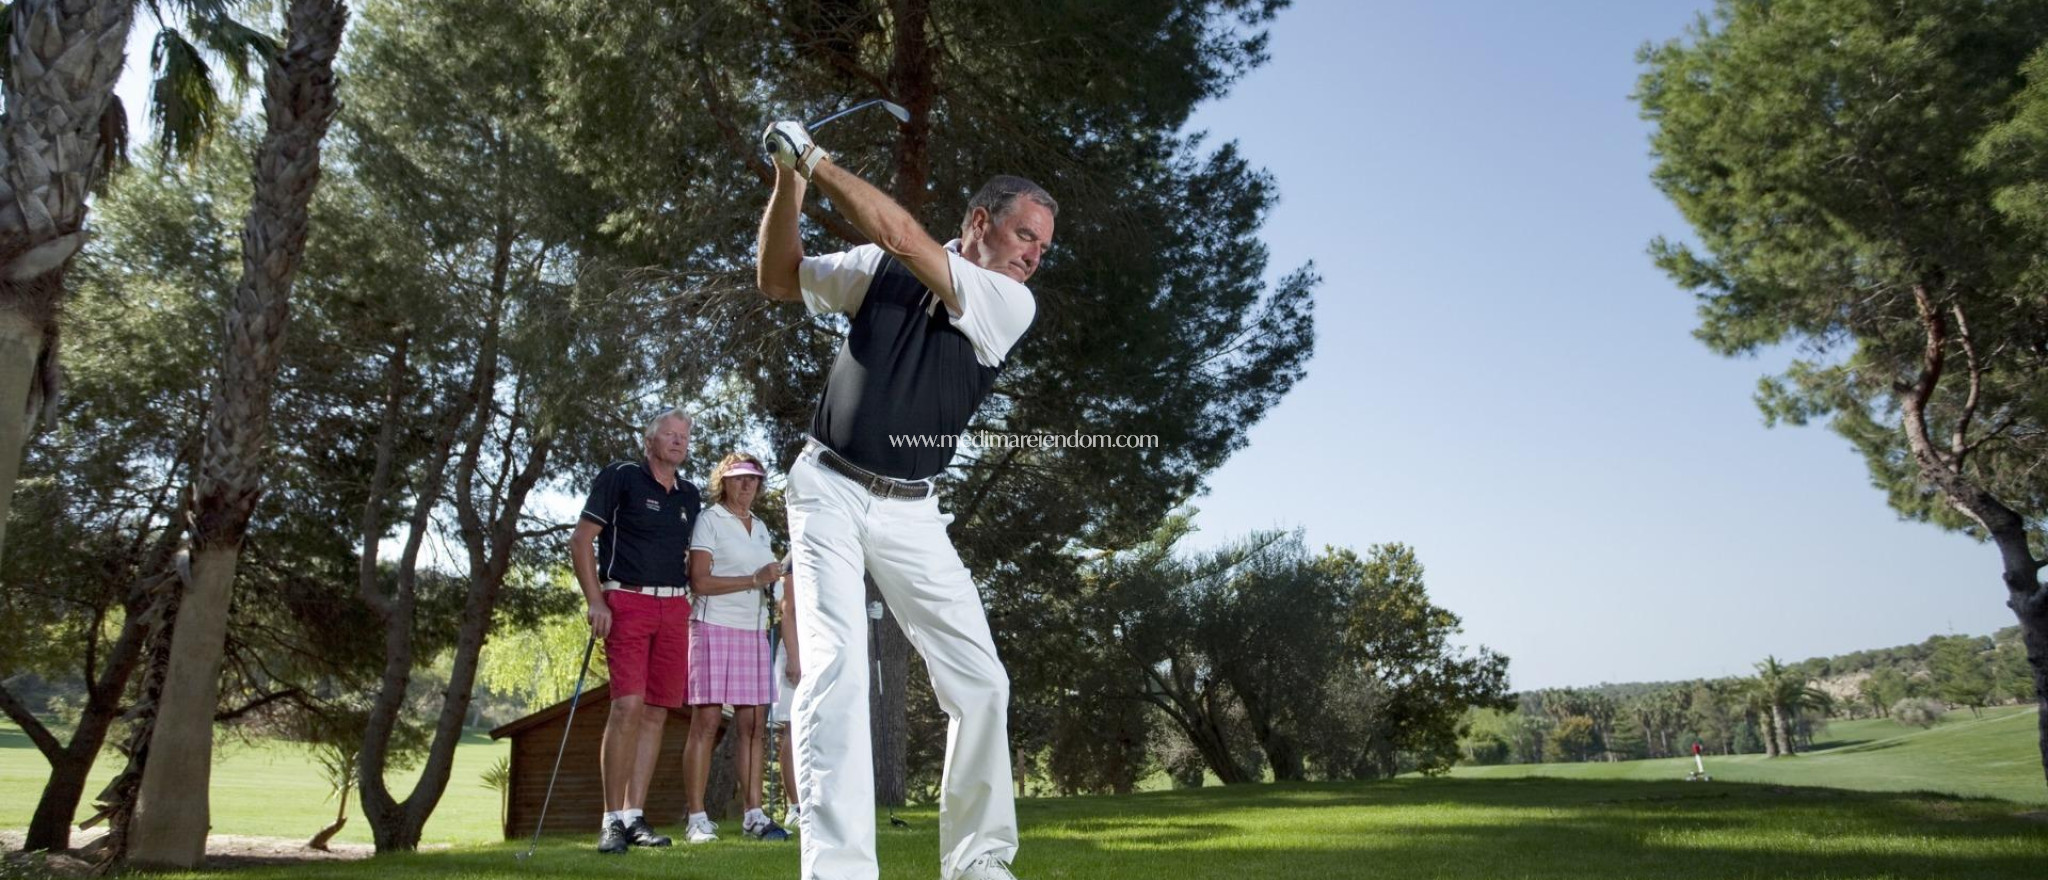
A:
{"x": 579, "y": 791}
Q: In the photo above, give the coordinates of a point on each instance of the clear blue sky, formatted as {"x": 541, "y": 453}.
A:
{"x": 1505, "y": 382}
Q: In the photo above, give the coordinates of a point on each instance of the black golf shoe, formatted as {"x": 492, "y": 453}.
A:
{"x": 613, "y": 839}
{"x": 642, "y": 835}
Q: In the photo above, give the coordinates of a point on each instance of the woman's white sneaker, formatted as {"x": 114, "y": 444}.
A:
{"x": 701, "y": 830}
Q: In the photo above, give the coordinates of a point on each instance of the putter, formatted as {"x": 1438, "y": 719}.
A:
{"x": 574, "y": 699}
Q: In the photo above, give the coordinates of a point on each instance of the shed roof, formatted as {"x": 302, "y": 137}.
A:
{"x": 599, "y": 693}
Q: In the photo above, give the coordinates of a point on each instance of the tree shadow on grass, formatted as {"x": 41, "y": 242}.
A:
{"x": 1541, "y": 829}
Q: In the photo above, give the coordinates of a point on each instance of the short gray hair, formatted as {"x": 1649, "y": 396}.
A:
{"x": 654, "y": 424}
{"x": 1001, "y": 191}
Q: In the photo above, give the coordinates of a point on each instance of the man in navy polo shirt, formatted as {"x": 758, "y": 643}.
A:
{"x": 931, "y": 325}
{"x": 631, "y": 555}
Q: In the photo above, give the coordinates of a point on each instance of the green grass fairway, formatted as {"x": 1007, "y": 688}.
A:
{"x": 1991, "y": 756}
{"x": 1495, "y": 826}
{"x": 272, "y": 789}
{"x": 1397, "y": 829}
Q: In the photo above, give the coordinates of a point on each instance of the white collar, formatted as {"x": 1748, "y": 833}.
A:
{"x": 720, "y": 509}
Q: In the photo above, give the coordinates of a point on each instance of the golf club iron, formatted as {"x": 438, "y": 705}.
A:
{"x": 574, "y": 699}
{"x": 901, "y": 113}
{"x": 895, "y": 109}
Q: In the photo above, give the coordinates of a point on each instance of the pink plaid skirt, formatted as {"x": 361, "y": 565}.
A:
{"x": 728, "y": 666}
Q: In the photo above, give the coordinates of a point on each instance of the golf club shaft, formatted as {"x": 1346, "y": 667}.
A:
{"x": 574, "y": 699}
{"x": 860, "y": 106}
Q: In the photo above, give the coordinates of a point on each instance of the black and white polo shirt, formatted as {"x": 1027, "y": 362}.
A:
{"x": 909, "y": 366}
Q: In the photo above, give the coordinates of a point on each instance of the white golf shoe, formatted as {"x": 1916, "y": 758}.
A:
{"x": 987, "y": 868}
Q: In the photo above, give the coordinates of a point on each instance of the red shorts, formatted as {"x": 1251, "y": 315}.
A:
{"x": 648, "y": 648}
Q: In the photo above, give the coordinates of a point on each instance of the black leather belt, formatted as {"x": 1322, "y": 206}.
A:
{"x": 876, "y": 484}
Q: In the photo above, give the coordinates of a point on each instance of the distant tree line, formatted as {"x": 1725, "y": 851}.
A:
{"x": 1780, "y": 710}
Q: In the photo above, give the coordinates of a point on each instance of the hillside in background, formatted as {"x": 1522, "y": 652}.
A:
{"x": 1991, "y": 754}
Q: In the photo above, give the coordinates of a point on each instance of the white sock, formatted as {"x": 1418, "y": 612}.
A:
{"x": 699, "y": 817}
{"x": 754, "y": 817}
{"x": 610, "y": 817}
{"x": 628, "y": 816}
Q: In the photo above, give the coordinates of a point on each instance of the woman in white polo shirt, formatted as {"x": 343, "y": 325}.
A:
{"x": 732, "y": 562}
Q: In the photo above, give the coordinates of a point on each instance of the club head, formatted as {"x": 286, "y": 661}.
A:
{"x": 897, "y": 110}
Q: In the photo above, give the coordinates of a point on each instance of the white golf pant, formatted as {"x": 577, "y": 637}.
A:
{"x": 837, "y": 531}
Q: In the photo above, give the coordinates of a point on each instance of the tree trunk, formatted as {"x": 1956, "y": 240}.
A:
{"x": 1198, "y": 720}
{"x": 2029, "y": 603}
{"x": 380, "y": 809}
{"x": 490, "y": 544}
{"x": 722, "y": 780}
{"x": 911, "y": 78}
{"x": 50, "y": 830}
{"x": 51, "y": 827}
{"x": 21, "y": 350}
{"x": 1281, "y": 751}
{"x": 169, "y": 827}
{"x": 1941, "y": 468}
{"x": 889, "y": 707}
{"x": 326, "y": 834}
{"x": 63, "y": 60}
{"x": 1781, "y": 729}
{"x": 171, "y": 819}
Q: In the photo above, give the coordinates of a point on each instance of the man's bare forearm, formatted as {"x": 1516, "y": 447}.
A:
{"x": 781, "y": 241}
{"x": 889, "y": 226}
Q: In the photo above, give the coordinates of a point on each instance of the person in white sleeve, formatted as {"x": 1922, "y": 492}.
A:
{"x": 732, "y": 567}
{"x": 931, "y": 326}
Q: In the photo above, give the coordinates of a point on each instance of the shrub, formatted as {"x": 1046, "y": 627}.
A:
{"x": 1917, "y": 712}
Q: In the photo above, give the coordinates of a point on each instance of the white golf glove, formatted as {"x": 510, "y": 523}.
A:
{"x": 792, "y": 147}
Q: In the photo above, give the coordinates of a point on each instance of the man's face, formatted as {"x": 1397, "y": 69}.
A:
{"x": 671, "y": 442}
{"x": 1011, "y": 244}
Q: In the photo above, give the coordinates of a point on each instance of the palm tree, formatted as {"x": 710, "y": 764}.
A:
{"x": 62, "y": 133}
{"x": 170, "y": 818}
{"x": 61, "y": 63}
{"x": 1785, "y": 691}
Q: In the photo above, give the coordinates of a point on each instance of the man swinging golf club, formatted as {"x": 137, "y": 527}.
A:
{"x": 931, "y": 326}
{"x": 631, "y": 554}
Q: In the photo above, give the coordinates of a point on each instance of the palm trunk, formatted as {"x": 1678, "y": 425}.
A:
{"x": 1782, "y": 729}
{"x": 63, "y": 59}
{"x": 169, "y": 826}
{"x": 21, "y": 349}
